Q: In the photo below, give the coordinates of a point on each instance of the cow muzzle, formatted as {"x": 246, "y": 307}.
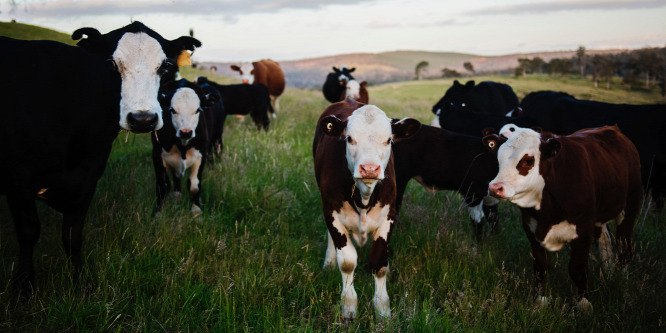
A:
{"x": 497, "y": 190}
{"x": 142, "y": 122}
{"x": 185, "y": 136}
{"x": 369, "y": 171}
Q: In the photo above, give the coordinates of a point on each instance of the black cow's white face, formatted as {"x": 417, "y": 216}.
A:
{"x": 519, "y": 179}
{"x": 185, "y": 110}
{"x": 353, "y": 90}
{"x": 139, "y": 58}
{"x": 246, "y": 70}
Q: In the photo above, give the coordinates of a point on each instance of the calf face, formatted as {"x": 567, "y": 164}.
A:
{"x": 353, "y": 90}
{"x": 246, "y": 71}
{"x": 185, "y": 110}
{"x": 519, "y": 179}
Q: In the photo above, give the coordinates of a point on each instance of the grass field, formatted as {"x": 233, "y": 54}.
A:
{"x": 252, "y": 261}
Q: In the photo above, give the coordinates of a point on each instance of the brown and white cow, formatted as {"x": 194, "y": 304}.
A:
{"x": 266, "y": 72}
{"x": 568, "y": 189}
{"x": 356, "y": 91}
{"x": 354, "y": 170}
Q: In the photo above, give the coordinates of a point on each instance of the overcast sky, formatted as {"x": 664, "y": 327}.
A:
{"x": 235, "y": 30}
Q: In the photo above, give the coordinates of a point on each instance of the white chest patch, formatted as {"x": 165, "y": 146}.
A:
{"x": 172, "y": 159}
{"x": 360, "y": 224}
{"x": 559, "y": 234}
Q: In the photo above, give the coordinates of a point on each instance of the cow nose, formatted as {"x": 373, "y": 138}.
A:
{"x": 185, "y": 133}
{"x": 246, "y": 81}
{"x": 496, "y": 190}
{"x": 142, "y": 121}
{"x": 369, "y": 170}
{"x": 357, "y": 96}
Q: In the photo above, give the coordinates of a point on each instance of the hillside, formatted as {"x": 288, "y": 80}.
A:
{"x": 32, "y": 32}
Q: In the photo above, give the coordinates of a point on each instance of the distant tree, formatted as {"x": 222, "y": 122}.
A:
{"x": 519, "y": 71}
{"x": 560, "y": 66}
{"x": 580, "y": 56}
{"x": 648, "y": 63}
{"x": 420, "y": 68}
{"x": 603, "y": 67}
{"x": 524, "y": 64}
{"x": 536, "y": 64}
{"x": 469, "y": 67}
{"x": 449, "y": 73}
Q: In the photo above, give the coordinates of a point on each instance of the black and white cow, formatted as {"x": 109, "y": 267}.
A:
{"x": 443, "y": 160}
{"x": 486, "y": 97}
{"x": 473, "y": 123}
{"x": 58, "y": 139}
{"x": 568, "y": 188}
{"x": 186, "y": 139}
{"x": 243, "y": 99}
{"x": 336, "y": 82}
{"x": 354, "y": 170}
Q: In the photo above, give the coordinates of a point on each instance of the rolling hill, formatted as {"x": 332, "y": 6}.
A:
{"x": 33, "y": 32}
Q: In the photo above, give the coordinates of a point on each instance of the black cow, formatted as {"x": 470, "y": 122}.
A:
{"x": 336, "y": 82}
{"x": 442, "y": 160}
{"x": 58, "y": 139}
{"x": 243, "y": 99}
{"x": 473, "y": 123}
{"x": 486, "y": 97}
{"x": 644, "y": 125}
{"x": 185, "y": 140}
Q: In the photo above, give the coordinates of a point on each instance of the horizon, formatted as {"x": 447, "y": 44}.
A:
{"x": 291, "y": 30}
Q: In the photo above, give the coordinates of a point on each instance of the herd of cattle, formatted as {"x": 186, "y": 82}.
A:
{"x": 570, "y": 165}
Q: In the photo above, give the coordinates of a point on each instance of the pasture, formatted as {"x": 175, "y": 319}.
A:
{"x": 252, "y": 261}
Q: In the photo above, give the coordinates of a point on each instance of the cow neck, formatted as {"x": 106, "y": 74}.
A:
{"x": 357, "y": 200}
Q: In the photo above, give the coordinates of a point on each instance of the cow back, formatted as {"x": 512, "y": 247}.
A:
{"x": 269, "y": 73}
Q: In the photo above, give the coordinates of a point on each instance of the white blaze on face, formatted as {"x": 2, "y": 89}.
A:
{"x": 353, "y": 90}
{"x": 185, "y": 116}
{"x": 369, "y": 137}
{"x": 138, "y": 57}
{"x": 518, "y": 175}
{"x": 247, "y": 73}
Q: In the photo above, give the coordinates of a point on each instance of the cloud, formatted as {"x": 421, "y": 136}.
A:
{"x": 555, "y": 6}
{"x": 385, "y": 24}
{"x": 227, "y": 8}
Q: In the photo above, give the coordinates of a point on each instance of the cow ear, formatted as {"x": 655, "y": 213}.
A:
{"x": 364, "y": 83}
{"x": 488, "y": 131}
{"x": 469, "y": 84}
{"x": 405, "y": 128}
{"x": 333, "y": 126}
{"x": 94, "y": 42}
{"x": 235, "y": 68}
{"x": 92, "y": 33}
{"x": 537, "y": 129}
{"x": 352, "y": 69}
{"x": 550, "y": 148}
{"x": 492, "y": 142}
{"x": 337, "y": 71}
{"x": 456, "y": 83}
{"x": 518, "y": 112}
{"x": 186, "y": 43}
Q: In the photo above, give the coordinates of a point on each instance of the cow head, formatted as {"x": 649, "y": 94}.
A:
{"x": 143, "y": 60}
{"x": 344, "y": 73}
{"x": 520, "y": 159}
{"x": 368, "y": 133}
{"x": 246, "y": 71}
{"x": 184, "y": 102}
{"x": 353, "y": 90}
{"x": 455, "y": 97}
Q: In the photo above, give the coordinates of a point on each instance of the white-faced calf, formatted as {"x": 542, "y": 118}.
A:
{"x": 568, "y": 189}
{"x": 354, "y": 170}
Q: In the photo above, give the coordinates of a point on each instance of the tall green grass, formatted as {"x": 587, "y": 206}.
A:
{"x": 252, "y": 261}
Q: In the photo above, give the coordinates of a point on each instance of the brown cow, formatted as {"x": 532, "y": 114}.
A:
{"x": 568, "y": 189}
{"x": 354, "y": 170}
{"x": 266, "y": 72}
{"x": 356, "y": 91}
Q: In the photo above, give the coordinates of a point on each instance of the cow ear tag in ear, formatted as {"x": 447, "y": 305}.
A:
{"x": 184, "y": 59}
{"x": 329, "y": 126}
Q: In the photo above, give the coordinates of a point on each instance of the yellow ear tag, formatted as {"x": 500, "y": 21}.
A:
{"x": 184, "y": 59}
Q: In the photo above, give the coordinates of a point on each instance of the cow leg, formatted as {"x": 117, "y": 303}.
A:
{"x": 580, "y": 250}
{"x": 194, "y": 183}
{"x": 176, "y": 183}
{"x": 276, "y": 105}
{"x": 330, "y": 260}
{"x": 26, "y": 222}
{"x": 605, "y": 246}
{"x": 540, "y": 259}
{"x": 476, "y": 216}
{"x": 72, "y": 234}
{"x": 378, "y": 262}
{"x": 162, "y": 184}
{"x": 490, "y": 210}
{"x": 347, "y": 258}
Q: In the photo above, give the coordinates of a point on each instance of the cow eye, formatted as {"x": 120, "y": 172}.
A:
{"x": 199, "y": 110}
{"x": 529, "y": 161}
{"x": 389, "y": 141}
{"x": 463, "y": 104}
{"x": 349, "y": 139}
{"x": 172, "y": 110}
{"x": 113, "y": 64}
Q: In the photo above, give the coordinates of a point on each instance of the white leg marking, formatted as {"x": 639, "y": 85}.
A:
{"x": 476, "y": 212}
{"x": 195, "y": 157}
{"x": 347, "y": 258}
{"x": 330, "y": 260}
{"x": 585, "y": 306}
{"x": 381, "y": 299}
{"x": 606, "y": 248}
{"x": 276, "y": 105}
{"x": 620, "y": 218}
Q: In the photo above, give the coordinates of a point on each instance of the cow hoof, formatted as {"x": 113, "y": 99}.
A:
{"x": 584, "y": 306}
{"x": 196, "y": 211}
{"x": 330, "y": 264}
{"x": 543, "y": 300}
{"x": 382, "y": 308}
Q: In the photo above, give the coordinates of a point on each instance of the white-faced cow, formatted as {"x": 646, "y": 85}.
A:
{"x": 442, "y": 160}
{"x": 266, "y": 72}
{"x": 568, "y": 189}
{"x": 354, "y": 170}
{"x": 335, "y": 83}
{"x": 57, "y": 142}
{"x": 356, "y": 91}
{"x": 186, "y": 140}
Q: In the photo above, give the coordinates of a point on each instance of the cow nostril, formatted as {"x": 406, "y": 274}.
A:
{"x": 185, "y": 134}
{"x": 142, "y": 121}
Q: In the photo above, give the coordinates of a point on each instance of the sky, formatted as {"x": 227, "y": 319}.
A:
{"x": 247, "y": 30}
